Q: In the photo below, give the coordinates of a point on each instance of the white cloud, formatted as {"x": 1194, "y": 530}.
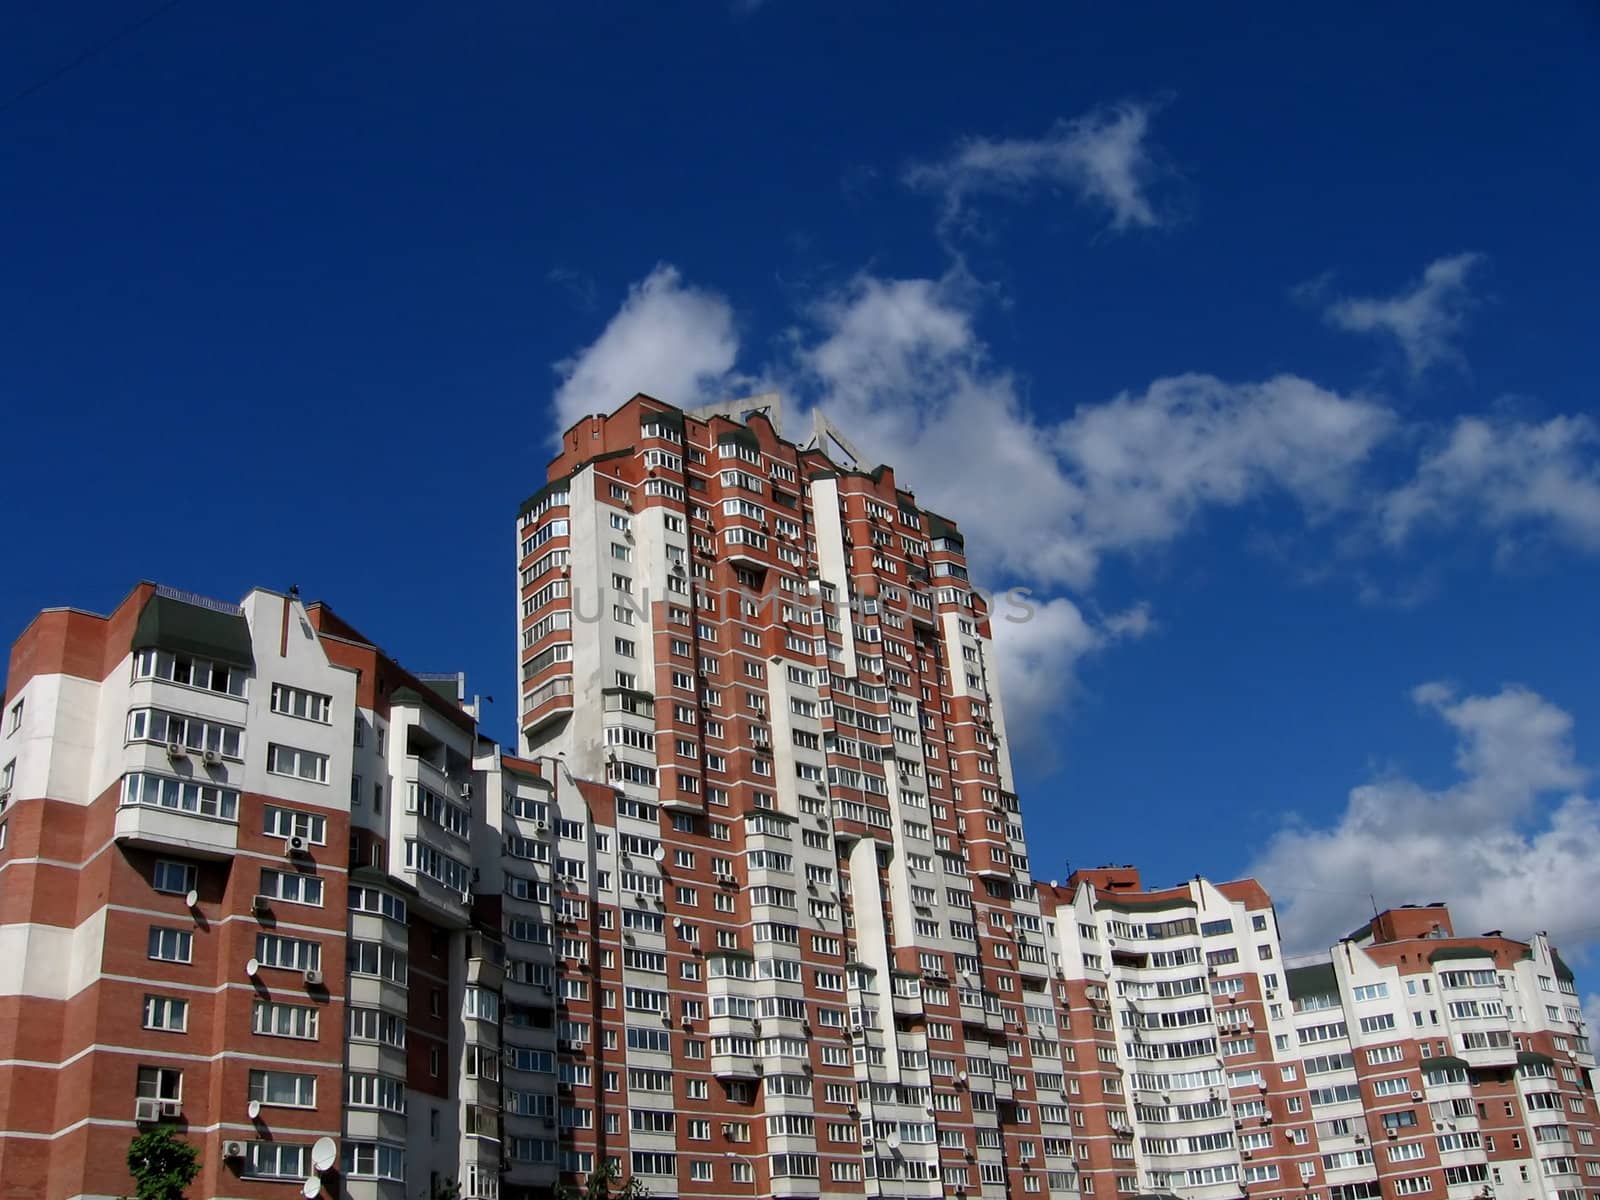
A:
{"x": 673, "y": 341}
{"x": 901, "y": 368}
{"x": 1511, "y": 477}
{"x": 1101, "y": 156}
{"x": 1424, "y": 320}
{"x": 1039, "y": 647}
{"x": 1511, "y": 839}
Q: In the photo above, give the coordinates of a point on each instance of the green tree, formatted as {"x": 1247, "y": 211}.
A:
{"x": 605, "y": 1183}
{"x": 162, "y": 1164}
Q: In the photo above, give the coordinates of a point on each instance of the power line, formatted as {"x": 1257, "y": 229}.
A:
{"x": 93, "y": 51}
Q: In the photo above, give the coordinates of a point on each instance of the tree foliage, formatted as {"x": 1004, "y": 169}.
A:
{"x": 605, "y": 1183}
{"x": 162, "y": 1164}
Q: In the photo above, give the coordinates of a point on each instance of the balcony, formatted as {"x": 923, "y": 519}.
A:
{"x": 192, "y": 833}
{"x": 735, "y": 1066}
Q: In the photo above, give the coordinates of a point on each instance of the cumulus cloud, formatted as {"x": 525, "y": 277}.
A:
{"x": 1423, "y": 320}
{"x": 676, "y": 342}
{"x": 900, "y": 366}
{"x": 1039, "y": 646}
{"x": 1102, "y": 157}
{"x": 1508, "y": 476}
{"x": 1512, "y": 834}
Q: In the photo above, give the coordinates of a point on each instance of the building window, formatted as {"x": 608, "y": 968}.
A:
{"x": 287, "y": 823}
{"x": 285, "y": 1020}
{"x": 174, "y": 878}
{"x": 160, "y": 1083}
{"x": 292, "y": 887}
{"x": 296, "y": 702}
{"x": 166, "y": 1013}
{"x": 296, "y": 763}
{"x": 14, "y": 721}
{"x": 159, "y": 791}
{"x": 375, "y": 1160}
{"x": 171, "y": 945}
{"x": 276, "y": 1160}
{"x": 284, "y": 1089}
{"x": 288, "y": 953}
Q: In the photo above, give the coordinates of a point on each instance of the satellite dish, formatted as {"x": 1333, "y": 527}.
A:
{"x": 192, "y": 899}
{"x": 660, "y": 855}
{"x": 311, "y": 1188}
{"x": 251, "y": 967}
{"x": 254, "y": 1109}
{"x": 323, "y": 1153}
{"x": 1054, "y": 884}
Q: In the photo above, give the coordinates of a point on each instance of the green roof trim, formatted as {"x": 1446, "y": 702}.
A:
{"x": 1562, "y": 970}
{"x": 670, "y": 417}
{"x": 1128, "y": 905}
{"x": 1449, "y": 952}
{"x": 447, "y": 687}
{"x": 1532, "y": 1058}
{"x": 166, "y": 623}
{"x": 943, "y": 527}
{"x": 409, "y": 697}
{"x": 1318, "y": 979}
{"x": 533, "y": 501}
{"x": 381, "y": 878}
{"x": 642, "y": 697}
{"x": 1445, "y": 1062}
{"x": 739, "y": 437}
{"x": 525, "y": 773}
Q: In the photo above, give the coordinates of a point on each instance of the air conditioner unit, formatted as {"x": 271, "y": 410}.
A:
{"x": 211, "y": 758}
{"x": 541, "y": 826}
{"x": 171, "y": 1108}
{"x": 176, "y": 750}
{"x": 146, "y": 1109}
{"x": 260, "y": 903}
{"x": 1416, "y": 1095}
{"x": 232, "y": 1149}
{"x": 313, "y": 978}
{"x": 294, "y": 845}
{"x": 1393, "y": 1133}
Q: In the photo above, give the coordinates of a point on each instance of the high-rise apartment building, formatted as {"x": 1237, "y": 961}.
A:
{"x": 746, "y": 911}
{"x": 780, "y": 665}
{"x": 1409, "y": 1061}
{"x": 236, "y": 895}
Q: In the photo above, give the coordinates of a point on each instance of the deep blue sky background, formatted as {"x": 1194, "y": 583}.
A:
{"x": 281, "y": 287}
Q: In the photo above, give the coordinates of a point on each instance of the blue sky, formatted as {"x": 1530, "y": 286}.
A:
{"x": 1258, "y": 344}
